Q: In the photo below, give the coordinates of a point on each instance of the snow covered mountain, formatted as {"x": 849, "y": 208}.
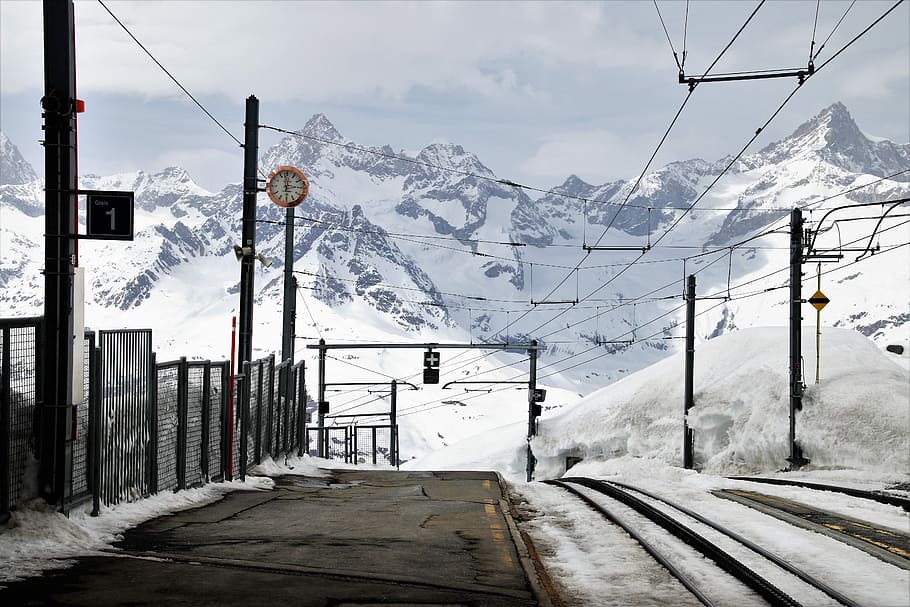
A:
{"x": 432, "y": 246}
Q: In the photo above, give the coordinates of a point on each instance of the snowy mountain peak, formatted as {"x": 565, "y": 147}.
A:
{"x": 14, "y": 169}
{"x": 834, "y": 137}
{"x": 574, "y": 185}
{"x": 832, "y": 126}
{"x": 453, "y": 156}
{"x": 320, "y": 127}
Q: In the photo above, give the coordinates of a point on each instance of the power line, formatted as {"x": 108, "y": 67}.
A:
{"x": 729, "y": 165}
{"x": 727, "y": 300}
{"x": 663, "y": 139}
{"x": 169, "y": 75}
{"x": 837, "y": 25}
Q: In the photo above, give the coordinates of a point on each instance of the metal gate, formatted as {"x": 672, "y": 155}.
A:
{"x": 126, "y": 377}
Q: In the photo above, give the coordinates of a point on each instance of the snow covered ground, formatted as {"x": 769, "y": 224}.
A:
{"x": 854, "y": 427}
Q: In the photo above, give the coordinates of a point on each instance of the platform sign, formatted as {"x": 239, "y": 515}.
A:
{"x": 819, "y": 300}
{"x": 109, "y": 215}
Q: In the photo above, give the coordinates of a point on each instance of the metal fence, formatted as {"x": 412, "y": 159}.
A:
{"x": 355, "y": 444}
{"x": 19, "y": 339}
{"x": 145, "y": 426}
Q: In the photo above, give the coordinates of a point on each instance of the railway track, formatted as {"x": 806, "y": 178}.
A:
{"x": 876, "y": 496}
{"x": 761, "y": 571}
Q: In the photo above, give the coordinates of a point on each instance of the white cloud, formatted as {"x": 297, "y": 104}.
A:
{"x": 597, "y": 156}
{"x": 880, "y": 78}
{"x": 315, "y": 51}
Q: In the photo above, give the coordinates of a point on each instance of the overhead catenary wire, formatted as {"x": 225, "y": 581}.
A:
{"x": 669, "y": 41}
{"x": 728, "y": 297}
{"x": 424, "y": 407}
{"x": 236, "y": 140}
{"x": 624, "y": 203}
{"x": 169, "y": 74}
{"x": 837, "y": 25}
{"x": 736, "y": 158}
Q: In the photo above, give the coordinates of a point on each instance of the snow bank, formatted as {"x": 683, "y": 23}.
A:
{"x": 857, "y": 417}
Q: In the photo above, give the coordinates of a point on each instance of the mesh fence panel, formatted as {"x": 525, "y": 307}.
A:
{"x": 256, "y": 419}
{"x": 195, "y": 403}
{"x": 80, "y": 486}
{"x": 18, "y": 349}
{"x": 373, "y": 444}
{"x": 276, "y": 407}
{"x": 217, "y": 399}
{"x": 236, "y": 423}
{"x": 168, "y": 420}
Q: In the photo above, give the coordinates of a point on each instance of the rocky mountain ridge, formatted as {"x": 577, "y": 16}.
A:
{"x": 435, "y": 241}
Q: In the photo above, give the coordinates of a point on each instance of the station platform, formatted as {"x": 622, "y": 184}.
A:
{"x": 356, "y": 538}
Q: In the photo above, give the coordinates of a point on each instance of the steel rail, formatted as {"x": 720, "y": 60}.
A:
{"x": 650, "y": 549}
{"x": 727, "y": 562}
{"x": 882, "y": 498}
{"x": 748, "y": 544}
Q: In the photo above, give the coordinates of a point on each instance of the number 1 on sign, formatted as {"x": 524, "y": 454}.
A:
{"x": 113, "y": 218}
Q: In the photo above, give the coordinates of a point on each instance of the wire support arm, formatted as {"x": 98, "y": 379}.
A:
{"x": 799, "y": 73}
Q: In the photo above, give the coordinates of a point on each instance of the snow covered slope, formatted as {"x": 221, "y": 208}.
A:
{"x": 856, "y": 418}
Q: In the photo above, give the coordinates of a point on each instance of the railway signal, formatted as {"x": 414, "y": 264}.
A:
{"x": 431, "y": 367}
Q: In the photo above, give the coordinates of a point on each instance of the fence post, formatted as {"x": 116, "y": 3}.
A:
{"x": 393, "y": 422}
{"x": 153, "y": 426}
{"x": 301, "y": 409}
{"x": 374, "y": 445}
{"x": 206, "y": 417}
{"x": 350, "y": 445}
{"x": 226, "y": 421}
{"x": 183, "y": 377}
{"x": 244, "y": 418}
{"x": 274, "y": 414}
{"x": 94, "y": 429}
{"x": 5, "y": 460}
{"x": 258, "y": 443}
{"x": 287, "y": 386}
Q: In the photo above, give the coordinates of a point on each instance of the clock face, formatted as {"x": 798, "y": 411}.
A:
{"x": 287, "y": 186}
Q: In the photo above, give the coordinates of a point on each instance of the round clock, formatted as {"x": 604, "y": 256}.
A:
{"x": 287, "y": 186}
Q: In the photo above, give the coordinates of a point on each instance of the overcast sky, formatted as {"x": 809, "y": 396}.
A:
{"x": 539, "y": 91}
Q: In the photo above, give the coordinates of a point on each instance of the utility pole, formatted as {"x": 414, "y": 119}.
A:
{"x": 290, "y": 290}
{"x": 690, "y": 372}
{"x": 322, "y": 409}
{"x": 796, "y": 458}
{"x": 393, "y": 420}
{"x": 53, "y": 447}
{"x": 248, "y": 237}
{"x": 533, "y": 407}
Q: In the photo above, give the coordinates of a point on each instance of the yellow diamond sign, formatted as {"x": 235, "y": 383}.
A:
{"x": 819, "y": 300}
